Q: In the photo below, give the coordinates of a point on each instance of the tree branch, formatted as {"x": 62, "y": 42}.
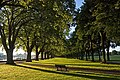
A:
{"x": 22, "y": 40}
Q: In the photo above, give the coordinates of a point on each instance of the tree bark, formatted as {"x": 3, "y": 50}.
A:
{"x": 103, "y": 34}
{"x": 37, "y": 57}
{"x": 82, "y": 55}
{"x": 86, "y": 55}
{"x": 52, "y": 56}
{"x": 108, "y": 47}
{"x": 29, "y": 57}
{"x": 48, "y": 55}
{"x": 92, "y": 52}
{"x": 29, "y": 48}
{"x": 45, "y": 54}
{"x": 42, "y": 56}
{"x": 37, "y": 54}
{"x": 10, "y": 57}
{"x": 99, "y": 47}
{"x": 99, "y": 54}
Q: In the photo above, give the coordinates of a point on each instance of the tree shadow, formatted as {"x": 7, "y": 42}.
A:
{"x": 71, "y": 74}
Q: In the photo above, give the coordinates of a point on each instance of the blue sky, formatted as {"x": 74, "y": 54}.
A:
{"x": 78, "y": 3}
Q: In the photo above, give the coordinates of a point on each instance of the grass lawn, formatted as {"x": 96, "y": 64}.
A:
{"x": 115, "y": 57}
{"x": 29, "y": 72}
{"x": 112, "y": 58}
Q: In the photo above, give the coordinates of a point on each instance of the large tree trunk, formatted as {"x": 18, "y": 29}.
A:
{"x": 29, "y": 49}
{"x": 48, "y": 55}
{"x": 52, "y": 55}
{"x": 82, "y": 55}
{"x": 42, "y": 56}
{"x": 37, "y": 54}
{"x": 92, "y": 52}
{"x": 45, "y": 54}
{"x": 37, "y": 57}
{"x": 86, "y": 54}
{"x": 99, "y": 54}
{"x": 29, "y": 57}
{"x": 103, "y": 34}
{"x": 108, "y": 47}
{"x": 10, "y": 57}
{"x": 99, "y": 47}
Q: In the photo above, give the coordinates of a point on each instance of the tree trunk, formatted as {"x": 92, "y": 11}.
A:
{"x": 82, "y": 55}
{"x": 28, "y": 56}
{"x": 29, "y": 49}
{"x": 108, "y": 47}
{"x": 86, "y": 55}
{"x": 99, "y": 47}
{"x": 82, "y": 51}
{"x": 10, "y": 57}
{"x": 92, "y": 52}
{"x": 103, "y": 34}
{"x": 99, "y": 54}
{"x": 37, "y": 54}
{"x": 48, "y": 55}
{"x": 42, "y": 56}
{"x": 52, "y": 56}
{"x": 45, "y": 54}
{"x": 37, "y": 57}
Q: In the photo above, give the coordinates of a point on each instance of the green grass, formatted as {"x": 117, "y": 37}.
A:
{"x": 78, "y": 63}
{"x": 115, "y": 57}
{"x": 29, "y": 72}
{"x": 112, "y": 58}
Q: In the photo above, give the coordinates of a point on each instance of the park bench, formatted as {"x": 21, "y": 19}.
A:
{"x": 60, "y": 67}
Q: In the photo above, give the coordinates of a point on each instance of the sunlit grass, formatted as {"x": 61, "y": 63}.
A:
{"x": 78, "y": 63}
{"x": 30, "y": 72}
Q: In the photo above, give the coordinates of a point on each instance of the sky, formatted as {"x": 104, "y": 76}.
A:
{"x": 78, "y": 5}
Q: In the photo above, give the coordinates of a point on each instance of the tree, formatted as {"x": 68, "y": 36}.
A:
{"x": 4, "y": 3}
{"x": 85, "y": 27}
{"x": 106, "y": 12}
{"x": 13, "y": 19}
{"x": 51, "y": 20}
{"x": 28, "y": 36}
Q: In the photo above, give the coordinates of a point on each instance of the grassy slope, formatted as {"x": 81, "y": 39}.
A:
{"x": 27, "y": 72}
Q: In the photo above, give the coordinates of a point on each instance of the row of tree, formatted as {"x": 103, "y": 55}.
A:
{"x": 36, "y": 25}
{"x": 97, "y": 28}
{"x": 42, "y": 25}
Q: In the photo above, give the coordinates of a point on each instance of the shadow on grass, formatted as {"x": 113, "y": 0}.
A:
{"x": 79, "y": 68}
{"x": 85, "y": 75}
{"x": 94, "y": 65}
